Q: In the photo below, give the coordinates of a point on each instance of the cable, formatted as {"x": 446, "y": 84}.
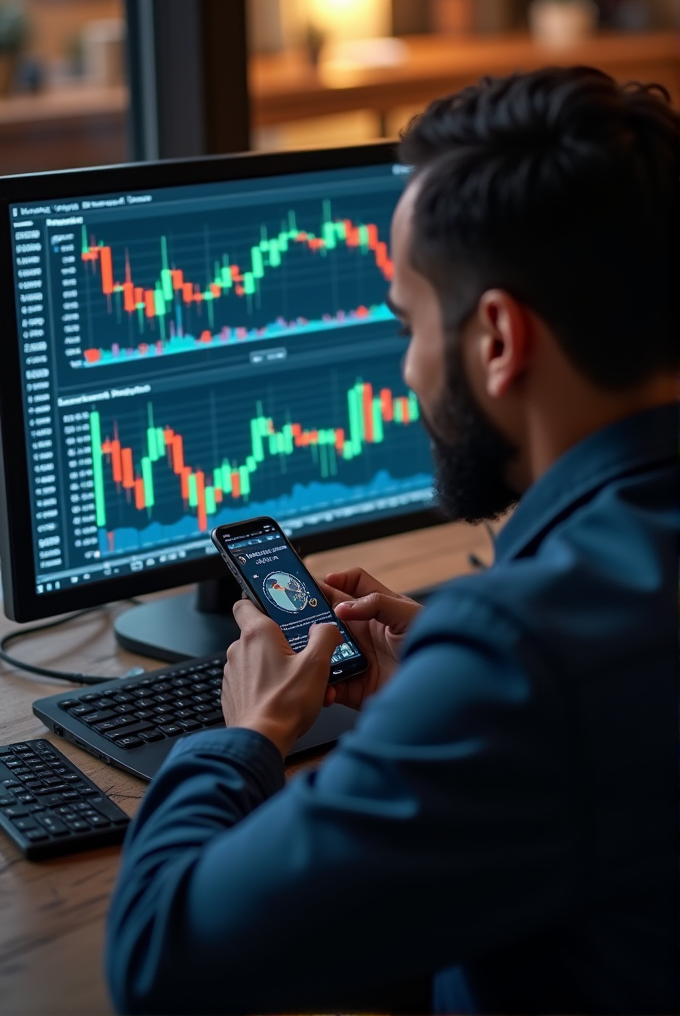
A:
{"x": 56, "y": 675}
{"x": 476, "y": 561}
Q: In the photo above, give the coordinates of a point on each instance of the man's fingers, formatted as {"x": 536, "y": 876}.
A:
{"x": 334, "y": 596}
{"x": 357, "y": 582}
{"x": 323, "y": 639}
{"x": 250, "y": 619}
{"x": 349, "y": 693}
{"x": 393, "y": 611}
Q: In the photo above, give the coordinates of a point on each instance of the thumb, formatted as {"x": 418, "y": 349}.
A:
{"x": 323, "y": 639}
{"x": 395, "y": 612}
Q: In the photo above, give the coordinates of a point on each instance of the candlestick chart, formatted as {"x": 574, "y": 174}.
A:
{"x": 173, "y": 482}
{"x": 220, "y": 285}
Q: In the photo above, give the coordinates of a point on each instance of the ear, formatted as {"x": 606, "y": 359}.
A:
{"x": 506, "y": 340}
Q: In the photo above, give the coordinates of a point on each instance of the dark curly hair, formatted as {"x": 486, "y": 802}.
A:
{"x": 562, "y": 187}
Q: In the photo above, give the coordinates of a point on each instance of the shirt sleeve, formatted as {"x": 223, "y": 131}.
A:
{"x": 443, "y": 826}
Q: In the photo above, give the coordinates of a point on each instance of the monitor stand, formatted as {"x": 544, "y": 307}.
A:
{"x": 195, "y": 623}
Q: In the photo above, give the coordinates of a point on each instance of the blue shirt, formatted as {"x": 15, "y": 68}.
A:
{"x": 502, "y": 819}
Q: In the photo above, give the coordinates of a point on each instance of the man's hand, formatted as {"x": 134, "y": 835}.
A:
{"x": 268, "y": 687}
{"x": 378, "y": 619}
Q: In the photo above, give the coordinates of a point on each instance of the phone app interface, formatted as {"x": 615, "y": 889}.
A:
{"x": 287, "y": 590}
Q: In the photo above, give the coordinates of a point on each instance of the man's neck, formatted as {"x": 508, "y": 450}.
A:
{"x": 553, "y": 425}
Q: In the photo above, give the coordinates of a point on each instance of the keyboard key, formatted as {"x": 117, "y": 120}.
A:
{"x": 127, "y": 720}
{"x": 170, "y": 729}
{"x": 108, "y": 809}
{"x": 53, "y": 825}
{"x": 35, "y": 835}
{"x": 97, "y": 821}
{"x": 25, "y": 823}
{"x": 48, "y": 799}
{"x": 103, "y": 703}
{"x": 17, "y": 812}
{"x": 211, "y": 718}
{"x": 131, "y": 741}
{"x": 151, "y": 735}
{"x": 189, "y": 725}
{"x": 81, "y": 710}
{"x": 97, "y": 716}
{"x": 108, "y": 725}
{"x": 77, "y": 825}
{"x": 127, "y": 731}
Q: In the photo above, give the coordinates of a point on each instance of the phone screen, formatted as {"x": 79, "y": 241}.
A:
{"x": 284, "y": 588}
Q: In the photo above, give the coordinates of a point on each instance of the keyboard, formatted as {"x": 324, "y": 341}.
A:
{"x": 49, "y": 807}
{"x": 150, "y": 709}
{"x": 133, "y": 722}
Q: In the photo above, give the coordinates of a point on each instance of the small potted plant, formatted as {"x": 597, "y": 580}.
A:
{"x": 13, "y": 38}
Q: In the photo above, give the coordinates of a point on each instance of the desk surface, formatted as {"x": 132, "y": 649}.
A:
{"x": 52, "y": 913}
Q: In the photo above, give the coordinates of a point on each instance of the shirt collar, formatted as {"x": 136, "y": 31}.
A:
{"x": 634, "y": 443}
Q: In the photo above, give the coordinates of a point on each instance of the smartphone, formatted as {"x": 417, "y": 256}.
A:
{"x": 268, "y": 569}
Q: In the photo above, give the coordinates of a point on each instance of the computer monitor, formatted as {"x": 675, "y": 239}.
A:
{"x": 186, "y": 344}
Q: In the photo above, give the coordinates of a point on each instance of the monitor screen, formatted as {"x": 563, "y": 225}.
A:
{"x": 195, "y": 353}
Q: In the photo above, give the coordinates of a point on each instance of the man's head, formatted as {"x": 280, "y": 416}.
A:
{"x": 537, "y": 264}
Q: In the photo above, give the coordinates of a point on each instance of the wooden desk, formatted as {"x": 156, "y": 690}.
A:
{"x": 286, "y": 87}
{"x": 52, "y": 913}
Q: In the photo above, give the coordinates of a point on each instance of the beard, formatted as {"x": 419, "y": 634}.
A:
{"x": 471, "y": 460}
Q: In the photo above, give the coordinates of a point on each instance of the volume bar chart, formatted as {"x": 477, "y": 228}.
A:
{"x": 175, "y": 313}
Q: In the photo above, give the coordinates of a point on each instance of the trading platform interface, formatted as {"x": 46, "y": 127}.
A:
{"x": 286, "y": 589}
{"x": 197, "y": 355}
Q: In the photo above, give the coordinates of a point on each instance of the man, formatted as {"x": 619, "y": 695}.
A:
{"x": 501, "y": 823}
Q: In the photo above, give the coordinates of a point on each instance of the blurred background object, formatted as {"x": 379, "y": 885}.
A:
{"x": 265, "y": 26}
{"x": 103, "y": 49}
{"x": 336, "y": 80}
{"x": 318, "y": 71}
{"x": 562, "y": 22}
{"x": 348, "y": 19}
{"x": 14, "y": 33}
{"x": 452, "y": 16}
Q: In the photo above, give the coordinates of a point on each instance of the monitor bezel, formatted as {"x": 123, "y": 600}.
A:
{"x": 21, "y": 600}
